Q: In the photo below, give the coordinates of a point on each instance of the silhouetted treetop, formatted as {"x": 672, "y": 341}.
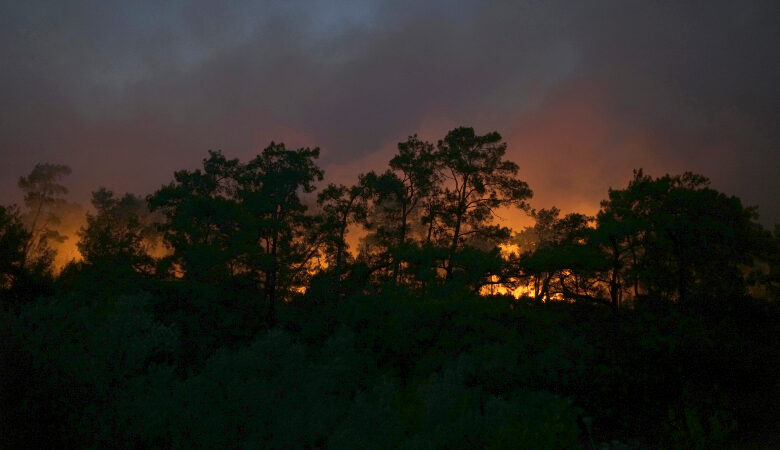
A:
{"x": 478, "y": 180}
{"x": 244, "y": 223}
{"x": 674, "y": 236}
{"x": 43, "y": 195}
{"x": 117, "y": 233}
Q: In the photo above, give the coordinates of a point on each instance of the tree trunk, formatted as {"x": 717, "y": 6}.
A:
{"x": 455, "y": 237}
{"x": 270, "y": 286}
{"x": 401, "y": 241}
{"x": 614, "y": 282}
{"x": 33, "y": 234}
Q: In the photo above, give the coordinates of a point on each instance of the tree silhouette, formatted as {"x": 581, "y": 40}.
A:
{"x": 674, "y": 236}
{"x": 771, "y": 279}
{"x": 201, "y": 220}
{"x": 406, "y": 334}
{"x": 395, "y": 219}
{"x": 412, "y": 181}
{"x": 341, "y": 207}
{"x": 534, "y": 239}
{"x": 42, "y": 195}
{"x": 558, "y": 256}
{"x": 387, "y": 220}
{"x": 478, "y": 181}
{"x": 115, "y": 235}
{"x": 283, "y": 238}
{"x": 235, "y": 223}
{"x": 14, "y": 238}
{"x": 619, "y": 234}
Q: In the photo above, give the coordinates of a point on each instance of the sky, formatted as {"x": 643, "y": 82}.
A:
{"x": 582, "y": 92}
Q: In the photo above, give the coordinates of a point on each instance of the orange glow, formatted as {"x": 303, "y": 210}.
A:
{"x": 156, "y": 248}
{"x": 66, "y": 252}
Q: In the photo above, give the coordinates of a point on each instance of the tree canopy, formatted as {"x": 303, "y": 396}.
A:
{"x": 653, "y": 324}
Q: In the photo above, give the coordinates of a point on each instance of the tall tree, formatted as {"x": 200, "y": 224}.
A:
{"x": 397, "y": 219}
{"x": 14, "y": 237}
{"x": 236, "y": 223}
{"x": 201, "y": 220}
{"x": 275, "y": 217}
{"x": 478, "y": 180}
{"x": 415, "y": 166}
{"x": 116, "y": 234}
{"x": 679, "y": 236}
{"x": 43, "y": 194}
{"x": 341, "y": 207}
{"x": 620, "y": 233}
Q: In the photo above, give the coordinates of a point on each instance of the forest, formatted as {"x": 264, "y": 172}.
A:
{"x": 250, "y": 304}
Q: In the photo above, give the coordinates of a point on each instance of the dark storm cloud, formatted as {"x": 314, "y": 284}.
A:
{"x": 127, "y": 92}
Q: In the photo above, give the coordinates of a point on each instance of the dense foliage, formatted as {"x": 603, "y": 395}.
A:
{"x": 654, "y": 324}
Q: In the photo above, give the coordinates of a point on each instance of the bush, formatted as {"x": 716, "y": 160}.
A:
{"x": 91, "y": 354}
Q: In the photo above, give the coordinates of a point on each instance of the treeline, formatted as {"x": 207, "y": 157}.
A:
{"x": 227, "y": 309}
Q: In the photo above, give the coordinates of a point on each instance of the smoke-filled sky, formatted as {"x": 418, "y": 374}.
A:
{"x": 583, "y": 92}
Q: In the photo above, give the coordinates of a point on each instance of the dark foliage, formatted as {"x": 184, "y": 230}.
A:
{"x": 654, "y": 324}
